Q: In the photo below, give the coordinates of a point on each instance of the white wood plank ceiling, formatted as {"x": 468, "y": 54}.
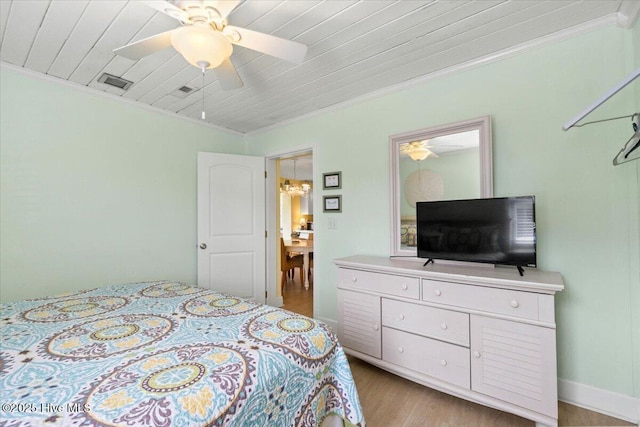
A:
{"x": 355, "y": 48}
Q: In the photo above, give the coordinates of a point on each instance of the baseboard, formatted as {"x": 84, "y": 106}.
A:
{"x": 277, "y": 301}
{"x": 332, "y": 323}
{"x": 595, "y": 399}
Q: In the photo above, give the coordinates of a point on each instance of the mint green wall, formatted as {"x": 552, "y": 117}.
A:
{"x": 94, "y": 191}
{"x": 587, "y": 210}
{"x": 635, "y": 290}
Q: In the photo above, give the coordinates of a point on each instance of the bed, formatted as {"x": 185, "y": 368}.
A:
{"x": 169, "y": 354}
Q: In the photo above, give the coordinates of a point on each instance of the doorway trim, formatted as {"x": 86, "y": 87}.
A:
{"x": 273, "y": 234}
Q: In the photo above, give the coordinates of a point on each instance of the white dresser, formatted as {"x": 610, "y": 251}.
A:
{"x": 483, "y": 334}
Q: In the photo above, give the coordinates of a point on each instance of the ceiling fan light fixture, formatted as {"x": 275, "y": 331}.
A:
{"x": 201, "y": 45}
{"x": 419, "y": 154}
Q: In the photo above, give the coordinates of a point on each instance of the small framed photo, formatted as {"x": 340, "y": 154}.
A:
{"x": 332, "y": 203}
{"x": 332, "y": 180}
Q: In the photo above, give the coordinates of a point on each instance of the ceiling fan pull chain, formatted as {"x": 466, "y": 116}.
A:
{"x": 203, "y": 115}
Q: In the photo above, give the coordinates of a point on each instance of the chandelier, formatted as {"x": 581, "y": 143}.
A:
{"x": 295, "y": 189}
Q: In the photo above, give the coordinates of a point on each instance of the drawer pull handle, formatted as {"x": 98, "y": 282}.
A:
{"x": 354, "y": 279}
{"x": 515, "y": 304}
{"x": 443, "y": 326}
{"x": 376, "y": 327}
{"x": 476, "y": 354}
{"x": 401, "y": 317}
{"x": 437, "y": 292}
{"x": 443, "y": 362}
{"x": 401, "y": 350}
{"x": 404, "y": 287}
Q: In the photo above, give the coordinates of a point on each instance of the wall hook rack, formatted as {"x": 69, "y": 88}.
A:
{"x": 631, "y": 77}
{"x": 630, "y": 149}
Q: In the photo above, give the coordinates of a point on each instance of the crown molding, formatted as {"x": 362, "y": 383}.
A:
{"x": 628, "y": 14}
{"x": 92, "y": 91}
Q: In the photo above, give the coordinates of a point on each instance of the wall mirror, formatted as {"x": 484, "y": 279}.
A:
{"x": 447, "y": 162}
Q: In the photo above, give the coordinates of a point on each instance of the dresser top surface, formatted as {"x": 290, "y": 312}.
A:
{"x": 503, "y": 277}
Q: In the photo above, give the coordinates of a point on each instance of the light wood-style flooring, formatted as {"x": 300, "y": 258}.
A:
{"x": 297, "y": 298}
{"x": 391, "y": 401}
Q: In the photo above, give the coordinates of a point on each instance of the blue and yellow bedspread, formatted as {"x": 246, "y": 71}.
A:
{"x": 168, "y": 354}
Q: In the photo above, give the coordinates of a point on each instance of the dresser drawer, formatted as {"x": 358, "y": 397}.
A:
{"x": 498, "y": 301}
{"x": 446, "y": 362}
{"x": 408, "y": 287}
{"x": 428, "y": 321}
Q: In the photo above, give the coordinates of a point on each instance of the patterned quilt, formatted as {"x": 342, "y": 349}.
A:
{"x": 168, "y": 354}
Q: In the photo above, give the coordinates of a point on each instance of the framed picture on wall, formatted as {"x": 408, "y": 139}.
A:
{"x": 332, "y": 203}
{"x": 332, "y": 180}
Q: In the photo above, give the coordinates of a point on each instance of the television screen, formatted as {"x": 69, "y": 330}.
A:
{"x": 495, "y": 231}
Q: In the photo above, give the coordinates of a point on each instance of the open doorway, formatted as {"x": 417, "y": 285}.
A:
{"x": 295, "y": 224}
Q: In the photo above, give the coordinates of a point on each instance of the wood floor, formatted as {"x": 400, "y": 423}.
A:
{"x": 391, "y": 401}
{"x": 297, "y": 298}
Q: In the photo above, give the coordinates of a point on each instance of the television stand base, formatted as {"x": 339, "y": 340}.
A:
{"x": 520, "y": 270}
{"x": 429, "y": 260}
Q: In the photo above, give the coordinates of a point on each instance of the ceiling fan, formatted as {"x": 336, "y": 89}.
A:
{"x": 417, "y": 150}
{"x": 206, "y": 41}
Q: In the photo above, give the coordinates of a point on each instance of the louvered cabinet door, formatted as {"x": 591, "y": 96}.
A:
{"x": 515, "y": 362}
{"x": 359, "y": 325}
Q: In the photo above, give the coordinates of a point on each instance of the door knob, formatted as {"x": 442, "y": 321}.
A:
{"x": 203, "y": 246}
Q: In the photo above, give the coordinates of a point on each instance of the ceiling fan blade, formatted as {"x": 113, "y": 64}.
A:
{"x": 271, "y": 45}
{"x": 224, "y": 7}
{"x": 144, "y": 47}
{"x": 168, "y": 9}
{"x": 228, "y": 76}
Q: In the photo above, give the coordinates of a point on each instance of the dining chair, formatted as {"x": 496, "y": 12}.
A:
{"x": 288, "y": 263}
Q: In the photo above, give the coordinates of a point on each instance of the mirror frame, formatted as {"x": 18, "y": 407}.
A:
{"x": 483, "y": 124}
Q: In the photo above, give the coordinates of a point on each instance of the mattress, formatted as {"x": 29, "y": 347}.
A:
{"x": 168, "y": 354}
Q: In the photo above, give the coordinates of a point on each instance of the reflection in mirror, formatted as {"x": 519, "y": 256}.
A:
{"x": 441, "y": 163}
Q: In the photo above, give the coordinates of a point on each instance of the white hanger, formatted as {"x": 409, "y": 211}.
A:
{"x": 631, "y": 150}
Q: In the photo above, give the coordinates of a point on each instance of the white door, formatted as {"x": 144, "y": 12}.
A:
{"x": 231, "y": 224}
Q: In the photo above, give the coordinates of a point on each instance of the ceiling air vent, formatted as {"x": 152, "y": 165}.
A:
{"x": 183, "y": 91}
{"x": 115, "y": 81}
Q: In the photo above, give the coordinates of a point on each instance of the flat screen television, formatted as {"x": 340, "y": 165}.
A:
{"x": 495, "y": 231}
